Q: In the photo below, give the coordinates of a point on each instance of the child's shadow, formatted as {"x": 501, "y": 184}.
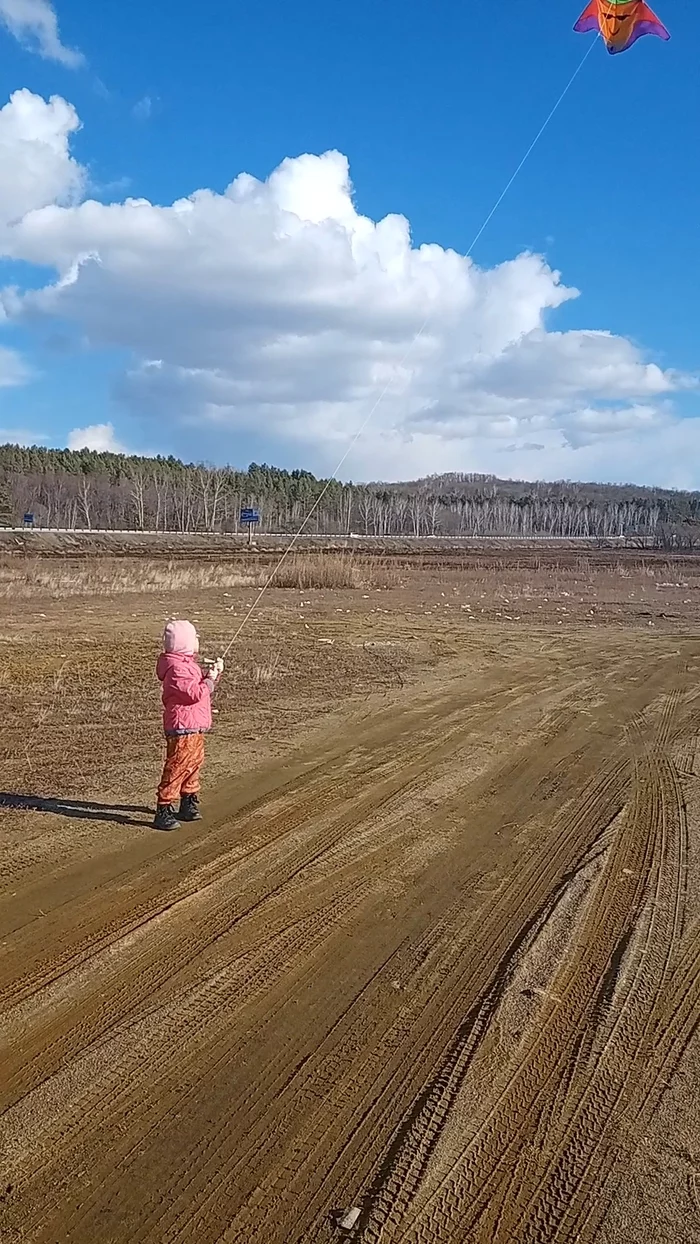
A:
{"x": 80, "y": 808}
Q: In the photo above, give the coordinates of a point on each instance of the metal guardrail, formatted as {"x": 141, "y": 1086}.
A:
{"x": 335, "y": 535}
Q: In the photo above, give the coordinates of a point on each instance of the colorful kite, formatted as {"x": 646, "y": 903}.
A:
{"x": 620, "y": 22}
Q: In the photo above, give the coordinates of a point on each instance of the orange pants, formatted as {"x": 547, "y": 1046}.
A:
{"x": 185, "y": 757}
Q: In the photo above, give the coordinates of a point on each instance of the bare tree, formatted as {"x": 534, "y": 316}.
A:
{"x": 210, "y": 485}
{"x": 138, "y": 495}
{"x": 161, "y": 489}
{"x": 417, "y": 513}
{"x": 85, "y": 499}
{"x": 366, "y": 510}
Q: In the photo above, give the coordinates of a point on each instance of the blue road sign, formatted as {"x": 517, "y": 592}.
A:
{"x": 29, "y": 520}
{"x": 250, "y": 516}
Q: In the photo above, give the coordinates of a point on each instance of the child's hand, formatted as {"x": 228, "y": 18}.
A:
{"x": 216, "y": 669}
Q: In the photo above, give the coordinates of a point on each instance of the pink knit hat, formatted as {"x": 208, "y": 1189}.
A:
{"x": 180, "y": 636}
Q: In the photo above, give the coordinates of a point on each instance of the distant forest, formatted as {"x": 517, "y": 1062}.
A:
{"x": 85, "y": 489}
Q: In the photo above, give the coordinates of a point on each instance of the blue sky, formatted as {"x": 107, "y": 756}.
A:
{"x": 433, "y": 106}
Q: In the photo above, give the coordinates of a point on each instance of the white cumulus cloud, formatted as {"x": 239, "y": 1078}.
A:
{"x": 277, "y": 309}
{"x": 37, "y": 167}
{"x": 34, "y": 23}
{"x": 99, "y": 436}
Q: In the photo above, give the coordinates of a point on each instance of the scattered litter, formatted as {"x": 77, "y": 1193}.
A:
{"x": 349, "y": 1218}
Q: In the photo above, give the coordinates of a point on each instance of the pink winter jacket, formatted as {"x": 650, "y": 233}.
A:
{"x": 186, "y": 694}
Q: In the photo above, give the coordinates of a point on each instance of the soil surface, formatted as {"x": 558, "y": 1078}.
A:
{"x": 433, "y": 953}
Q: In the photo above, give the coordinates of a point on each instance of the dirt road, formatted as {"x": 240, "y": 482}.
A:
{"x": 441, "y": 966}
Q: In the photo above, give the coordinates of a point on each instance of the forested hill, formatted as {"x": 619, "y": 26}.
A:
{"x": 65, "y": 488}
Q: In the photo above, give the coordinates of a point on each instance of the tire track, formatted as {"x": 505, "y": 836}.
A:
{"x": 239, "y": 1031}
{"x": 651, "y": 842}
{"x": 294, "y": 1101}
{"x": 676, "y": 1022}
{"x": 288, "y": 1105}
{"x": 156, "y": 959}
{"x": 111, "y": 1077}
{"x": 492, "y": 938}
{"x": 132, "y": 981}
{"x": 579, "y": 1154}
{"x": 399, "y": 1178}
{"x": 369, "y": 801}
{"x": 440, "y": 718}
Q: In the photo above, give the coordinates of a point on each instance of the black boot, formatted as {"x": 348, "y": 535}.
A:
{"x": 189, "y": 808}
{"x": 165, "y": 817}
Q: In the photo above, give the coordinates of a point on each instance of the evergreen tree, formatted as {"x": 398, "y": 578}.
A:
{"x": 7, "y": 518}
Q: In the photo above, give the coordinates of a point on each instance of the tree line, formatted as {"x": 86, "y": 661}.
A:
{"x": 86, "y": 489}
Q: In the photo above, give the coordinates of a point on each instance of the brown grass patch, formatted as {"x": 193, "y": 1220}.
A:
{"x": 111, "y": 576}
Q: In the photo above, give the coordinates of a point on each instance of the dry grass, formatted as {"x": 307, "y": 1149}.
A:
{"x": 264, "y": 674}
{"x": 110, "y": 576}
{"x": 334, "y": 571}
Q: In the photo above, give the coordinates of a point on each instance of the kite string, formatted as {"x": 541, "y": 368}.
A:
{"x": 404, "y": 358}
{"x": 534, "y": 142}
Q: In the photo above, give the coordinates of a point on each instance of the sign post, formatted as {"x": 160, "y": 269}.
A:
{"x": 29, "y": 520}
{"x": 250, "y": 518}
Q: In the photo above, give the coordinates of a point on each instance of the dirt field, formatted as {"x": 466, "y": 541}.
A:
{"x": 434, "y": 952}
